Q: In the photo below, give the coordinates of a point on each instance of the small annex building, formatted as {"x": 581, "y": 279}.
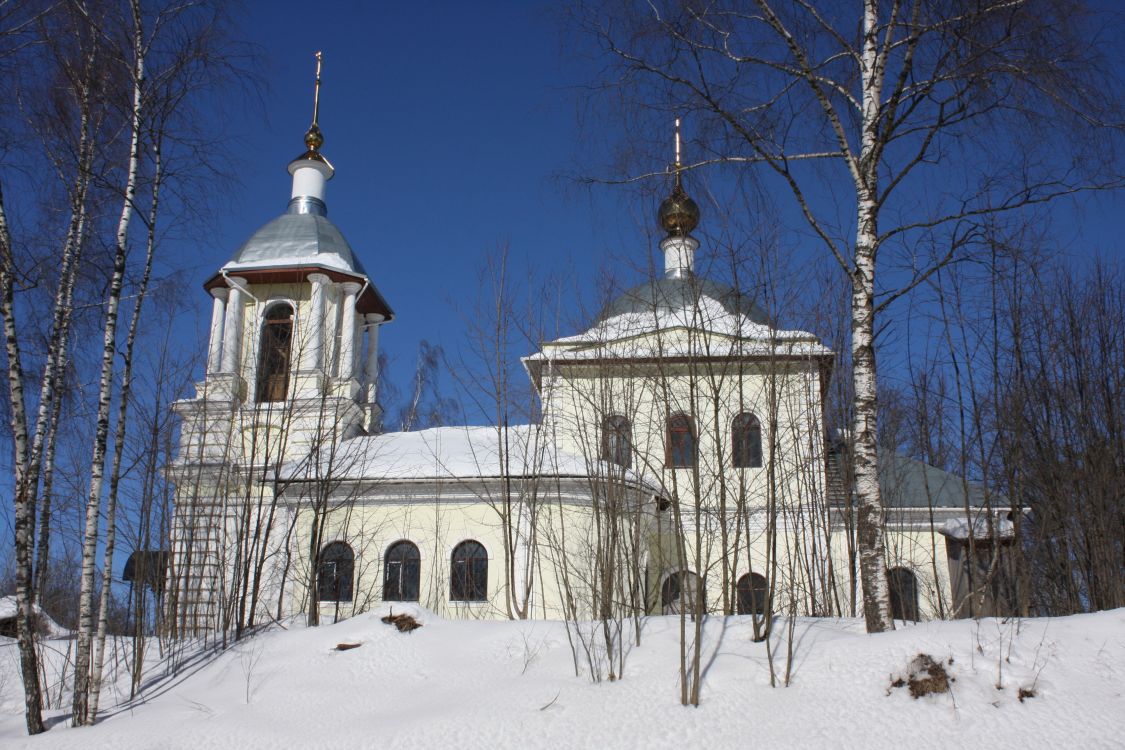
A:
{"x": 680, "y": 464}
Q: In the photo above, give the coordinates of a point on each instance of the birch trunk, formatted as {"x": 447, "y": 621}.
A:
{"x": 119, "y": 446}
{"x": 24, "y": 504}
{"x": 82, "y": 666}
{"x": 28, "y": 457}
{"x": 870, "y": 514}
{"x": 870, "y": 520}
{"x": 42, "y": 457}
{"x": 43, "y": 546}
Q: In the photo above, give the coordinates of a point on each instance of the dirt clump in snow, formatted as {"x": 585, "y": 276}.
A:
{"x": 404, "y": 622}
{"x": 347, "y": 646}
{"x": 1026, "y": 693}
{"x": 926, "y": 677}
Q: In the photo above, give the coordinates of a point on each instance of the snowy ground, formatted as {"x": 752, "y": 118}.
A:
{"x": 512, "y": 685}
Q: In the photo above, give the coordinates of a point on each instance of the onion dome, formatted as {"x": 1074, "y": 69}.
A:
{"x": 678, "y": 213}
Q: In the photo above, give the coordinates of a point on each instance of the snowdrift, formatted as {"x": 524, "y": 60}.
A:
{"x": 47, "y": 626}
{"x": 474, "y": 684}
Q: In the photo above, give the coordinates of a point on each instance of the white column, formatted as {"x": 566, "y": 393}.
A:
{"x": 312, "y": 355}
{"x": 232, "y": 327}
{"x": 309, "y": 177}
{"x": 218, "y": 313}
{"x": 347, "y": 329}
{"x": 371, "y": 370}
{"x": 679, "y": 256}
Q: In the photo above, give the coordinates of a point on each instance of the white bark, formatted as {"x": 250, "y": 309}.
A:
{"x": 28, "y": 458}
{"x": 82, "y": 665}
{"x": 871, "y": 515}
{"x": 119, "y": 447}
{"x": 46, "y": 423}
{"x": 24, "y": 509}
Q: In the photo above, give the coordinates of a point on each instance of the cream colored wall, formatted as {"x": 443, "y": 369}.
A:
{"x": 436, "y": 523}
{"x": 922, "y": 550}
{"x": 580, "y": 395}
{"x": 435, "y": 527}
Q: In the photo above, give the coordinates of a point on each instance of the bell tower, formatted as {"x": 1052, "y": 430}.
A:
{"x": 292, "y": 371}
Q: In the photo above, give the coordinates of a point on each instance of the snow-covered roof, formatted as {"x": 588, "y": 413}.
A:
{"x": 9, "y": 609}
{"x": 458, "y": 453}
{"x": 961, "y": 529}
{"x": 644, "y": 321}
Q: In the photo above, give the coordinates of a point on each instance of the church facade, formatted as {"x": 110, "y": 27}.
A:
{"x": 680, "y": 464}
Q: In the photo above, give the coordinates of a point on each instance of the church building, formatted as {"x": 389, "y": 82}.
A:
{"x": 681, "y": 462}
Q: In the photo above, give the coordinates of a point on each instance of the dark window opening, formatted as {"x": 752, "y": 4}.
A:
{"x": 904, "y": 594}
{"x": 274, "y": 354}
{"x": 746, "y": 441}
{"x": 681, "y": 442}
{"x": 617, "y": 441}
{"x": 402, "y": 570}
{"x": 468, "y": 573}
{"x": 334, "y": 573}
{"x": 682, "y": 592}
{"x": 752, "y": 590}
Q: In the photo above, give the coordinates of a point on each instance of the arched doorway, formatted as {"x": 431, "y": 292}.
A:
{"x": 682, "y": 591}
{"x": 752, "y": 592}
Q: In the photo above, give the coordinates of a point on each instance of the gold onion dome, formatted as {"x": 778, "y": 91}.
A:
{"x": 678, "y": 214}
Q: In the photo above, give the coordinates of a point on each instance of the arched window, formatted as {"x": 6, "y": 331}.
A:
{"x": 334, "y": 573}
{"x": 468, "y": 572}
{"x": 681, "y": 442}
{"x": 274, "y": 353}
{"x": 617, "y": 440}
{"x": 402, "y": 568}
{"x": 752, "y": 590}
{"x": 682, "y": 591}
{"x": 746, "y": 441}
{"x": 904, "y": 594}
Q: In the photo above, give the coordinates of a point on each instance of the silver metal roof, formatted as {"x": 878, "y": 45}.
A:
{"x": 302, "y": 236}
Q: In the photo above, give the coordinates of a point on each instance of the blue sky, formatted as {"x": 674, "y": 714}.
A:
{"x": 448, "y": 125}
{"x": 451, "y": 126}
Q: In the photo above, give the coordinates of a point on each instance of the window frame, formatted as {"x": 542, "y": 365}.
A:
{"x": 675, "y": 428}
{"x": 617, "y": 440}
{"x": 408, "y": 567}
{"x": 339, "y": 593}
{"x": 470, "y": 584}
{"x": 273, "y": 371}
{"x": 746, "y": 441}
